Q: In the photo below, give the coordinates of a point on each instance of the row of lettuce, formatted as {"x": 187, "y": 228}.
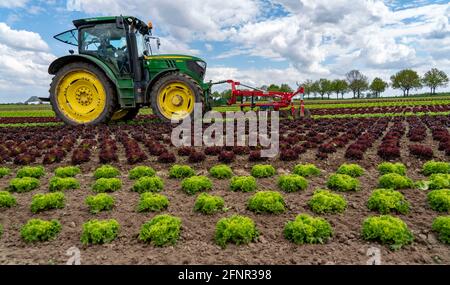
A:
{"x": 165, "y": 229}
{"x": 144, "y": 120}
{"x": 430, "y": 101}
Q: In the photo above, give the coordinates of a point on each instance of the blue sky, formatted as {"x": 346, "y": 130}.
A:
{"x": 255, "y": 41}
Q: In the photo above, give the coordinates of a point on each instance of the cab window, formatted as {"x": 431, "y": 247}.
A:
{"x": 68, "y": 37}
{"x": 108, "y": 43}
{"x": 140, "y": 42}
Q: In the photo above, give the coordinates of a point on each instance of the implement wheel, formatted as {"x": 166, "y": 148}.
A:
{"x": 173, "y": 96}
{"x": 81, "y": 93}
{"x": 307, "y": 113}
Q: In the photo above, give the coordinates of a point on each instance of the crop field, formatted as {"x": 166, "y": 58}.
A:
{"x": 14, "y": 115}
{"x": 356, "y": 178}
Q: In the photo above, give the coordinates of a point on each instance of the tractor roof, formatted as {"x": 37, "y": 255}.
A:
{"x": 99, "y": 20}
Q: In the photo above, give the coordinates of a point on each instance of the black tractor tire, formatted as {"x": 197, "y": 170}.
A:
{"x": 130, "y": 115}
{"x": 174, "y": 77}
{"x": 111, "y": 97}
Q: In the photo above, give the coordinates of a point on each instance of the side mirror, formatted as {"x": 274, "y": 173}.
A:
{"x": 71, "y": 51}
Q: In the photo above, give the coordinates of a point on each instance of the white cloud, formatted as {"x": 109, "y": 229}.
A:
{"x": 233, "y": 52}
{"x": 12, "y": 3}
{"x": 284, "y": 38}
{"x": 441, "y": 28}
{"x": 183, "y": 19}
{"x": 23, "y": 65}
{"x": 12, "y": 18}
{"x": 173, "y": 46}
{"x": 317, "y": 37}
{"x": 383, "y": 51}
{"x": 34, "y": 10}
{"x": 209, "y": 47}
{"x": 324, "y": 38}
{"x": 316, "y": 31}
{"x": 21, "y": 39}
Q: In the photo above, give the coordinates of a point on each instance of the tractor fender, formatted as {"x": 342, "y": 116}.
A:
{"x": 62, "y": 61}
{"x": 152, "y": 82}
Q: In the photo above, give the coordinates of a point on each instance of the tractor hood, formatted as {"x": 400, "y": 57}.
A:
{"x": 192, "y": 65}
{"x": 174, "y": 57}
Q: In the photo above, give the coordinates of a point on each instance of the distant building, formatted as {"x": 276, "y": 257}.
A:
{"x": 34, "y": 100}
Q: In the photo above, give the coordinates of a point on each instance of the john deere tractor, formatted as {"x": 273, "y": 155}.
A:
{"x": 115, "y": 73}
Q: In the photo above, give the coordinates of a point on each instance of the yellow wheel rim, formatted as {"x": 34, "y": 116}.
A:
{"x": 176, "y": 101}
{"x": 81, "y": 96}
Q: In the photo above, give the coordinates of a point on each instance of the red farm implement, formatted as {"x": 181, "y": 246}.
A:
{"x": 275, "y": 100}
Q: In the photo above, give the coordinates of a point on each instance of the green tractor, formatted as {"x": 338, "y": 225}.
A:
{"x": 115, "y": 74}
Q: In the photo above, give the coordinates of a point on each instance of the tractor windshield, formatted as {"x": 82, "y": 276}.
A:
{"x": 108, "y": 43}
{"x": 69, "y": 37}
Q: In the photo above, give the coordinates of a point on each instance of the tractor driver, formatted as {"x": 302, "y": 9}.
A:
{"x": 105, "y": 49}
{"x": 115, "y": 55}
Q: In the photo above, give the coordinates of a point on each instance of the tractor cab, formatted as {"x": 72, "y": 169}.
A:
{"x": 109, "y": 44}
{"x": 114, "y": 40}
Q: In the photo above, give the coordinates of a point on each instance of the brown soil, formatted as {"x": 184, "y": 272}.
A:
{"x": 197, "y": 246}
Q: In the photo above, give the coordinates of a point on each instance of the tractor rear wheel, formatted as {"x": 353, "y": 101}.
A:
{"x": 81, "y": 93}
{"x": 125, "y": 114}
{"x": 173, "y": 96}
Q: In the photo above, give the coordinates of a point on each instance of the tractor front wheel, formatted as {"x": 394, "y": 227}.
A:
{"x": 173, "y": 96}
{"x": 81, "y": 93}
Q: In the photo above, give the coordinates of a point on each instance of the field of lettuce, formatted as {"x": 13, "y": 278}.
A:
{"x": 357, "y": 183}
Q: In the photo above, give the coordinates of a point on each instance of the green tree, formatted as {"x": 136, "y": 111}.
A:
{"x": 339, "y": 86}
{"x": 378, "y": 86}
{"x": 216, "y": 95}
{"x": 406, "y": 80}
{"x": 329, "y": 88}
{"x": 285, "y": 88}
{"x": 308, "y": 85}
{"x": 226, "y": 94}
{"x": 435, "y": 78}
{"x": 357, "y": 82}
{"x": 220, "y": 98}
{"x": 324, "y": 87}
{"x": 315, "y": 88}
{"x": 273, "y": 87}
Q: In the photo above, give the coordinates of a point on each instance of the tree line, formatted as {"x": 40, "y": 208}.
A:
{"x": 357, "y": 83}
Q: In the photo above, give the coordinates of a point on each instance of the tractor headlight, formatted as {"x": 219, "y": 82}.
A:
{"x": 202, "y": 64}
